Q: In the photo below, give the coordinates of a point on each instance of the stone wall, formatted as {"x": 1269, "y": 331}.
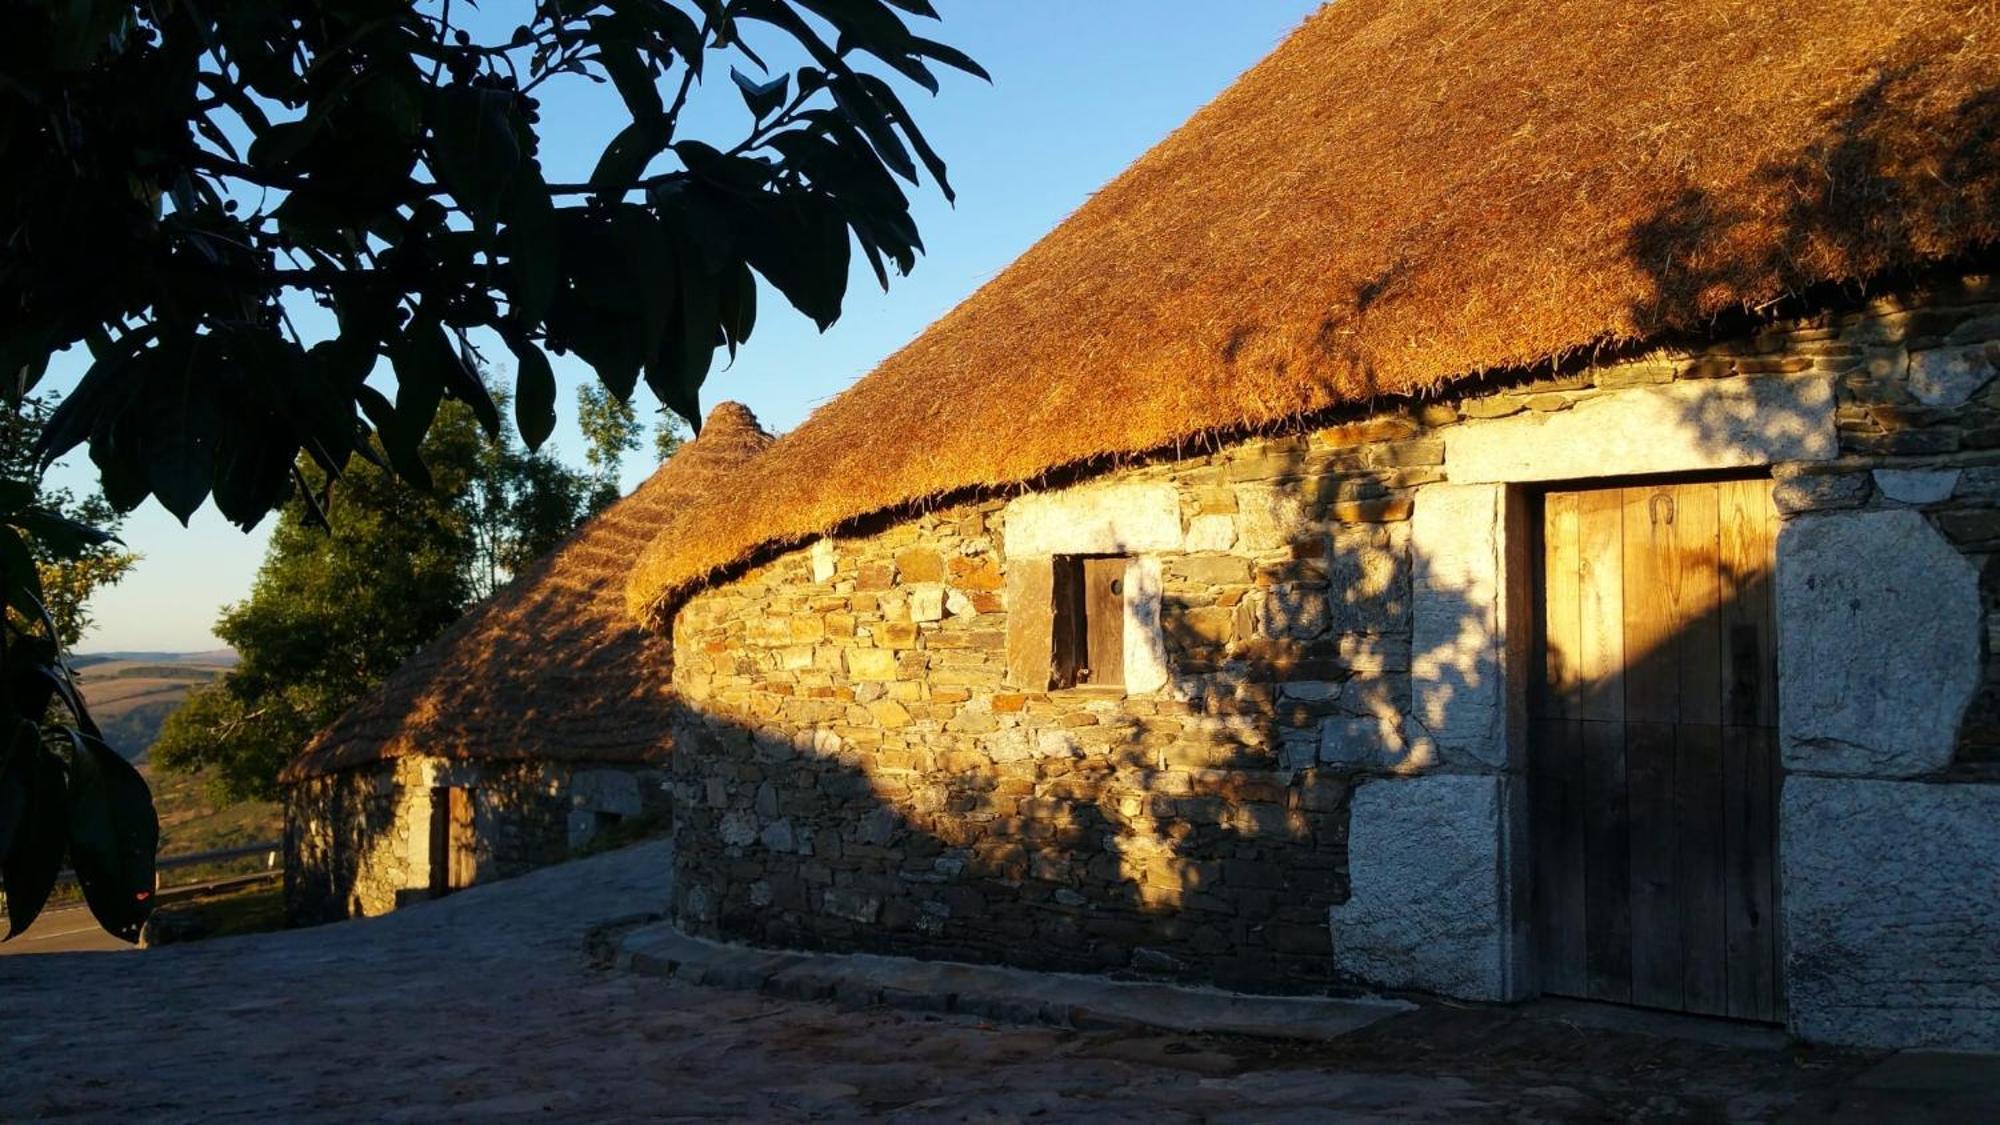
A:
{"x": 1341, "y": 619}
{"x": 358, "y": 842}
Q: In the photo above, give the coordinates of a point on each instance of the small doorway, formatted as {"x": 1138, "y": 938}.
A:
{"x": 1653, "y": 748}
{"x": 453, "y": 839}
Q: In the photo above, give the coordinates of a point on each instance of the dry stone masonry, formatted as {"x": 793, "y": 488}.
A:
{"x": 360, "y": 842}
{"x": 1314, "y": 771}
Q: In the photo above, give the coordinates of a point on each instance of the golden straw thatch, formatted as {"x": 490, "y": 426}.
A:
{"x": 1407, "y": 193}
{"x": 550, "y": 667}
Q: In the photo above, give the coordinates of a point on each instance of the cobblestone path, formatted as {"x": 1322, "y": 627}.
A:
{"x": 483, "y": 1007}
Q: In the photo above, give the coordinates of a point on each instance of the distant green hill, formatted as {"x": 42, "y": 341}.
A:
{"x": 132, "y": 693}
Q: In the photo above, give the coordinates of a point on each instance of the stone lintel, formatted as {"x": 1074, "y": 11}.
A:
{"x": 1095, "y": 519}
{"x": 1672, "y": 428}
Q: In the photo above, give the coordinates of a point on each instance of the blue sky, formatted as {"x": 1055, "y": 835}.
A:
{"x": 1080, "y": 90}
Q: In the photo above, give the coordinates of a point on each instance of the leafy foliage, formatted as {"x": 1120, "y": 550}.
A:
{"x": 64, "y": 793}
{"x": 68, "y": 578}
{"x": 334, "y": 612}
{"x": 177, "y": 173}
{"x": 669, "y": 434}
{"x": 611, "y": 429}
{"x": 519, "y": 504}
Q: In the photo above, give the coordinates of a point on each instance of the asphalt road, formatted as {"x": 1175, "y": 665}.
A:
{"x": 68, "y": 929}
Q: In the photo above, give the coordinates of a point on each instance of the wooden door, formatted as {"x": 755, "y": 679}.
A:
{"x": 464, "y": 838}
{"x": 1104, "y": 616}
{"x": 453, "y": 839}
{"x": 1653, "y": 748}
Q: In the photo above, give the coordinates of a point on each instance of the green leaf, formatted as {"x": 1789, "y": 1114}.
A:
{"x": 114, "y": 836}
{"x": 419, "y": 391}
{"x": 32, "y": 799}
{"x": 280, "y": 144}
{"x": 800, "y": 245}
{"x": 23, "y": 580}
{"x": 872, "y": 23}
{"x": 534, "y": 255}
{"x": 474, "y": 149}
{"x": 103, "y": 391}
{"x": 737, "y": 307}
{"x": 320, "y": 403}
{"x": 54, "y": 682}
{"x": 763, "y": 98}
{"x": 626, "y": 157}
{"x": 58, "y": 533}
{"x": 534, "y": 393}
{"x": 620, "y": 298}
{"x": 629, "y": 72}
{"x": 428, "y": 356}
{"x": 178, "y": 443}
{"x": 933, "y": 163}
{"x": 873, "y": 120}
{"x": 949, "y": 56}
{"x": 117, "y": 449}
{"x": 253, "y": 460}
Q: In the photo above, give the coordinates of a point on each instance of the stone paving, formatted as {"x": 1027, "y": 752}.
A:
{"x": 484, "y": 1007}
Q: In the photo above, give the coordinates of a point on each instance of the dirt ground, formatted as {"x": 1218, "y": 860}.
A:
{"x": 484, "y": 1007}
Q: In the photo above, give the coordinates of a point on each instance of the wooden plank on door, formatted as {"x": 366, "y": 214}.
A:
{"x": 1607, "y": 871}
{"x": 1750, "y": 848}
{"x": 1560, "y": 855}
{"x": 1652, "y": 662}
{"x": 1655, "y": 859}
{"x": 1104, "y": 616}
{"x": 1699, "y": 884}
{"x": 1697, "y": 600}
{"x": 464, "y": 838}
{"x": 1600, "y": 606}
{"x": 1746, "y": 556}
{"x": 1560, "y": 694}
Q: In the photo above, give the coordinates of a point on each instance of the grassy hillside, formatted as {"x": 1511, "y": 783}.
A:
{"x": 190, "y": 822}
{"x": 132, "y": 693}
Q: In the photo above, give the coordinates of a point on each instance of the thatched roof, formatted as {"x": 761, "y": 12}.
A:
{"x": 550, "y": 667}
{"x": 1407, "y": 193}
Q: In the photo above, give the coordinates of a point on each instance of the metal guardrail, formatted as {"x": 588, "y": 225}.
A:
{"x": 269, "y": 849}
{"x": 185, "y": 891}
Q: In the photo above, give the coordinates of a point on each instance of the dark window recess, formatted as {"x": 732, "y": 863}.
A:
{"x": 1089, "y": 604}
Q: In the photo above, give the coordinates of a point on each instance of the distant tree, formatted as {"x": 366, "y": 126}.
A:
{"x": 611, "y": 429}
{"x": 175, "y": 174}
{"x": 520, "y": 504}
{"x": 669, "y": 434}
{"x": 335, "y": 611}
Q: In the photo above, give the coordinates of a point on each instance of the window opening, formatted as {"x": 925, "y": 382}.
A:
{"x": 1089, "y": 603}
